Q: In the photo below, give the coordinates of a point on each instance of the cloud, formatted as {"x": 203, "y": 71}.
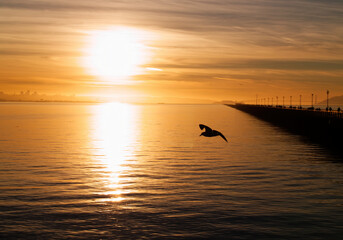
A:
{"x": 153, "y": 69}
{"x": 276, "y": 64}
{"x": 261, "y": 23}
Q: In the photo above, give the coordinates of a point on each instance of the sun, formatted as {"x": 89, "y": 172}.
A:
{"x": 115, "y": 54}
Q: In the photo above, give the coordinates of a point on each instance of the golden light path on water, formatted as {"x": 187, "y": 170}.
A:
{"x": 114, "y": 134}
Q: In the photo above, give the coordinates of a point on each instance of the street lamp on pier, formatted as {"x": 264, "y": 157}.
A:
{"x": 327, "y": 100}
{"x": 277, "y": 100}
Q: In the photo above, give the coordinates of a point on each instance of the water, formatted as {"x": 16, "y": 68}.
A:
{"x": 117, "y": 171}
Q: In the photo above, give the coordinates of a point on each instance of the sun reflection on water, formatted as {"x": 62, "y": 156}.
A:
{"x": 113, "y": 142}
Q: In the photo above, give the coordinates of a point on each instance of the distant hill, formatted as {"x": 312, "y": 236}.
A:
{"x": 338, "y": 100}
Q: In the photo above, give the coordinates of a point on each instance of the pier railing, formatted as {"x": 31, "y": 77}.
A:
{"x": 314, "y": 112}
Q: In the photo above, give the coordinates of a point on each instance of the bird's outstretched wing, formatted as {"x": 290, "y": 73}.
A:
{"x": 220, "y": 134}
{"x": 207, "y": 129}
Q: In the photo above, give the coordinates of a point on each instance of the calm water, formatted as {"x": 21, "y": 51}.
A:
{"x": 117, "y": 171}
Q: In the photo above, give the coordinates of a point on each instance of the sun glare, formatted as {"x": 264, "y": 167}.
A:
{"x": 115, "y": 54}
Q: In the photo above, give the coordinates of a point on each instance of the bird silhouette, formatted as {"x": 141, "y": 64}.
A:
{"x": 209, "y": 132}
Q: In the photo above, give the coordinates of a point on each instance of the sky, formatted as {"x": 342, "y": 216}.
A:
{"x": 194, "y": 50}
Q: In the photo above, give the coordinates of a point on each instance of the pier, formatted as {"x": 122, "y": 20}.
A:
{"x": 324, "y": 127}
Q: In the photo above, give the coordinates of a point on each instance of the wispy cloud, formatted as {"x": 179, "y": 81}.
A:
{"x": 276, "y": 64}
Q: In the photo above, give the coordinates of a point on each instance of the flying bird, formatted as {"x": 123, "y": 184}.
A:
{"x": 209, "y": 132}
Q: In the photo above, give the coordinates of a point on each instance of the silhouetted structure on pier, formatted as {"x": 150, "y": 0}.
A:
{"x": 324, "y": 127}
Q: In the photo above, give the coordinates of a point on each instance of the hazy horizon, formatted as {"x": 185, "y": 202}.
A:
{"x": 33, "y": 96}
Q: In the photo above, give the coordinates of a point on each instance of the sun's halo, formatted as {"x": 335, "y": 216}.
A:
{"x": 115, "y": 54}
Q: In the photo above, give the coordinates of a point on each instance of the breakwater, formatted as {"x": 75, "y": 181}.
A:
{"x": 325, "y": 127}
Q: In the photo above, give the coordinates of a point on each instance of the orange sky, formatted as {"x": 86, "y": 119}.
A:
{"x": 195, "y": 51}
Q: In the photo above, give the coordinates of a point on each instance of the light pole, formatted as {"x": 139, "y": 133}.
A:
{"x": 300, "y": 101}
{"x": 312, "y": 100}
{"x": 277, "y": 100}
{"x": 327, "y": 100}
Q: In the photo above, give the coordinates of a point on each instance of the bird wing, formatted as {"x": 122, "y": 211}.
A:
{"x": 207, "y": 129}
{"x": 220, "y": 134}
